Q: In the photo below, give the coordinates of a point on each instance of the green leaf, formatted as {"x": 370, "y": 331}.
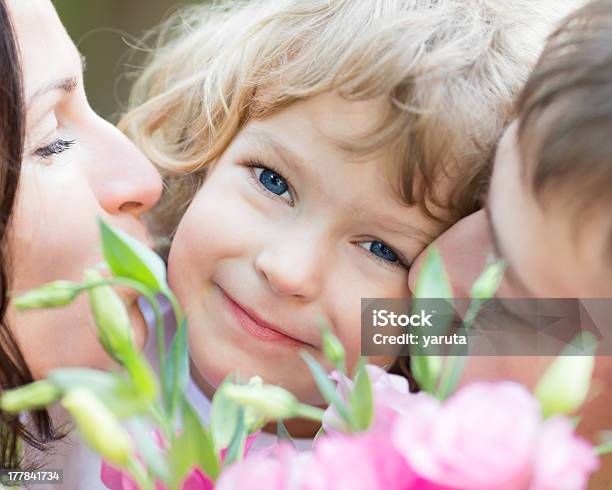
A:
{"x": 319, "y": 433}
{"x": 193, "y": 447}
{"x": 426, "y": 370}
{"x": 451, "y": 374}
{"x": 177, "y": 369}
{"x": 432, "y": 283}
{"x": 361, "y": 399}
{"x": 224, "y": 415}
{"x": 488, "y": 281}
{"x": 282, "y": 434}
{"x": 127, "y": 257}
{"x": 235, "y": 450}
{"x": 117, "y": 393}
{"x": 327, "y": 388}
{"x": 142, "y": 375}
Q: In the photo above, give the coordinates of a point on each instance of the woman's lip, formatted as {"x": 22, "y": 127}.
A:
{"x": 255, "y": 326}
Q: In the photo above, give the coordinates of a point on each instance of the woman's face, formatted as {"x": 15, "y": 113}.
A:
{"x": 289, "y": 228}
{"x": 76, "y": 166}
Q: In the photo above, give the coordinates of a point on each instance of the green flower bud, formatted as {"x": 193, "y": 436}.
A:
{"x": 98, "y": 426}
{"x": 30, "y": 397}
{"x": 112, "y": 319}
{"x": 270, "y": 401}
{"x": 255, "y": 382}
{"x": 333, "y": 348}
{"x": 565, "y": 386}
{"x": 142, "y": 375}
{"x": 57, "y": 293}
{"x": 488, "y": 281}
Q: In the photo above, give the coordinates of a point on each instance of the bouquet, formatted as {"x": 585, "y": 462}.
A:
{"x": 375, "y": 433}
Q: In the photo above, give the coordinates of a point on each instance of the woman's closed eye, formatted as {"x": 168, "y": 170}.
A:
{"x": 271, "y": 182}
{"x": 56, "y": 147}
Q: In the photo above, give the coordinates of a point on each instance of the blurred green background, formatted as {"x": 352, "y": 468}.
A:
{"x": 100, "y": 29}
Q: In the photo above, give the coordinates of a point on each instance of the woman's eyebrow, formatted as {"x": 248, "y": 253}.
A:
{"x": 67, "y": 85}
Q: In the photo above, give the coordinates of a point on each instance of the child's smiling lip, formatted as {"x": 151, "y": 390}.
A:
{"x": 258, "y": 327}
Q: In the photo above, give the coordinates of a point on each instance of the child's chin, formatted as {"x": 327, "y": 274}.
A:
{"x": 291, "y": 372}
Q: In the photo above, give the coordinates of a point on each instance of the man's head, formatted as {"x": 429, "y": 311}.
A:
{"x": 551, "y": 186}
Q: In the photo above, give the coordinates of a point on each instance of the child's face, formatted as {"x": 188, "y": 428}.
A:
{"x": 288, "y": 228}
{"x": 547, "y": 255}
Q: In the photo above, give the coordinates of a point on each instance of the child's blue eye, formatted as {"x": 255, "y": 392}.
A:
{"x": 381, "y": 251}
{"x": 272, "y": 181}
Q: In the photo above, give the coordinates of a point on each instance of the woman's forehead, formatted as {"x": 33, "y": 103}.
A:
{"x": 48, "y": 55}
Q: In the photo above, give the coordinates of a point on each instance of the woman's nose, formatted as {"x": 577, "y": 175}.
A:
{"x": 124, "y": 180}
{"x": 293, "y": 267}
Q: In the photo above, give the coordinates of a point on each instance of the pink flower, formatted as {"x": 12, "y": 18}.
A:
{"x": 562, "y": 461}
{"x": 481, "y": 438}
{"x": 196, "y": 479}
{"x": 277, "y": 468}
{"x": 491, "y": 436}
{"x": 391, "y": 398}
{"x": 120, "y": 480}
{"x": 364, "y": 461}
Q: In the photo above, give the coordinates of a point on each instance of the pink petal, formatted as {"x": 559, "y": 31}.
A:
{"x": 197, "y": 480}
{"x": 116, "y": 479}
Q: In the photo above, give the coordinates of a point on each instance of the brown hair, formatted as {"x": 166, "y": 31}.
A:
{"x": 14, "y": 371}
{"x": 447, "y": 71}
{"x": 565, "y": 111}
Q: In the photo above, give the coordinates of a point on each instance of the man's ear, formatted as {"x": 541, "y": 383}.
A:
{"x": 464, "y": 248}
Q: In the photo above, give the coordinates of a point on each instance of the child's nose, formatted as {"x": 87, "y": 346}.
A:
{"x": 292, "y": 269}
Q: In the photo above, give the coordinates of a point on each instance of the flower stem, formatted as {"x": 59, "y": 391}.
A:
{"x": 604, "y": 449}
{"x": 309, "y": 412}
{"x": 137, "y": 472}
{"x": 454, "y": 365}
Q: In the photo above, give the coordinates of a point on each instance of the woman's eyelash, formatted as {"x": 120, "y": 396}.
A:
{"x": 55, "y": 148}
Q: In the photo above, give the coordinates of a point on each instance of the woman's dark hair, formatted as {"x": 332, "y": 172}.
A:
{"x": 14, "y": 371}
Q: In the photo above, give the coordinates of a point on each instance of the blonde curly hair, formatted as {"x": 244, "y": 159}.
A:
{"x": 448, "y": 72}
